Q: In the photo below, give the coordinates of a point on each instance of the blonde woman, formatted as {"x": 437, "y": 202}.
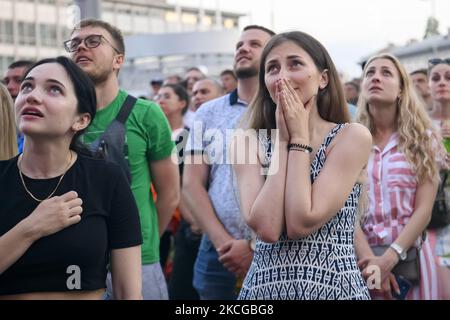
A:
{"x": 402, "y": 177}
{"x": 8, "y": 143}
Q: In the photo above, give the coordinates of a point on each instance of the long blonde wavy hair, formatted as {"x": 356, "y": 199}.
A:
{"x": 8, "y": 137}
{"x": 417, "y": 137}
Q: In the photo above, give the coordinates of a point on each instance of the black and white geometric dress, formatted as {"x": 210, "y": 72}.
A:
{"x": 321, "y": 266}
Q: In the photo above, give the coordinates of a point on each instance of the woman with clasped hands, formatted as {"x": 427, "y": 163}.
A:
{"x": 304, "y": 210}
{"x": 64, "y": 215}
{"x": 403, "y": 177}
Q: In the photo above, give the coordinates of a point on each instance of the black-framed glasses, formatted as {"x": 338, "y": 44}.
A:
{"x": 92, "y": 41}
{"x": 436, "y": 61}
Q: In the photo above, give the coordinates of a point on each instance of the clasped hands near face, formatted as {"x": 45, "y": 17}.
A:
{"x": 292, "y": 115}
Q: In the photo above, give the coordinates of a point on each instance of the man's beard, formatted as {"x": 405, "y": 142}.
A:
{"x": 98, "y": 77}
{"x": 246, "y": 73}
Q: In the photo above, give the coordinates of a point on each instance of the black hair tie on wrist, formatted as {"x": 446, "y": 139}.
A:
{"x": 300, "y": 146}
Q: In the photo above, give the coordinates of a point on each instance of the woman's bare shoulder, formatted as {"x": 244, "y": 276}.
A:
{"x": 356, "y": 133}
{"x": 354, "y": 139}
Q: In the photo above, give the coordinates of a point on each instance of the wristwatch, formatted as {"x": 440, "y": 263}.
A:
{"x": 399, "y": 250}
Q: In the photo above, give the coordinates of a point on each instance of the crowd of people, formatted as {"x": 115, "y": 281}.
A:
{"x": 277, "y": 179}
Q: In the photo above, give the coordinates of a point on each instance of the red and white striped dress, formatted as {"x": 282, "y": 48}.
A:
{"x": 392, "y": 192}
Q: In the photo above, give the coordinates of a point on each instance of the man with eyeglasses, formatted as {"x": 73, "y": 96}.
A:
{"x": 98, "y": 48}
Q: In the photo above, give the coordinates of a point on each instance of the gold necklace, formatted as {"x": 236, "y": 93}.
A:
{"x": 56, "y": 188}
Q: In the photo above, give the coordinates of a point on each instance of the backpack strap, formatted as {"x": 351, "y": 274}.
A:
{"x": 115, "y": 131}
{"x": 444, "y": 176}
{"x": 122, "y": 117}
{"x": 125, "y": 110}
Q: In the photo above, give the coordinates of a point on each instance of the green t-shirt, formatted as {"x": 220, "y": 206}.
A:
{"x": 148, "y": 138}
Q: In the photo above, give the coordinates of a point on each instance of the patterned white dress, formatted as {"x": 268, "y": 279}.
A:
{"x": 320, "y": 266}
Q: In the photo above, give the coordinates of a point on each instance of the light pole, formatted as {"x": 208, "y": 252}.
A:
{"x": 433, "y": 7}
{"x": 89, "y": 9}
{"x": 219, "y": 23}
{"x": 433, "y": 16}
{"x": 272, "y": 15}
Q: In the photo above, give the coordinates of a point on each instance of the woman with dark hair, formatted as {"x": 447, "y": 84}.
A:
{"x": 174, "y": 101}
{"x": 64, "y": 215}
{"x": 439, "y": 83}
{"x": 301, "y": 194}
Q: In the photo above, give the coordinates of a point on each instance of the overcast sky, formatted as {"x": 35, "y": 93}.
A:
{"x": 350, "y": 29}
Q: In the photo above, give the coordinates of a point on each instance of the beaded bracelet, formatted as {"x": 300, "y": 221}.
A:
{"x": 297, "y": 146}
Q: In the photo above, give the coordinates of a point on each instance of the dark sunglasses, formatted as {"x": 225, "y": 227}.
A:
{"x": 92, "y": 41}
{"x": 435, "y": 61}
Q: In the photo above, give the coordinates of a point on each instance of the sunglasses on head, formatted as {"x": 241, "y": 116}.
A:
{"x": 436, "y": 61}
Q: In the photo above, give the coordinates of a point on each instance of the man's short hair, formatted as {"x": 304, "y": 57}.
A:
{"x": 156, "y": 81}
{"x": 228, "y": 71}
{"x": 193, "y": 69}
{"x": 20, "y": 64}
{"x": 354, "y": 84}
{"x": 423, "y": 71}
{"x": 214, "y": 82}
{"x": 255, "y": 26}
{"x": 115, "y": 33}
